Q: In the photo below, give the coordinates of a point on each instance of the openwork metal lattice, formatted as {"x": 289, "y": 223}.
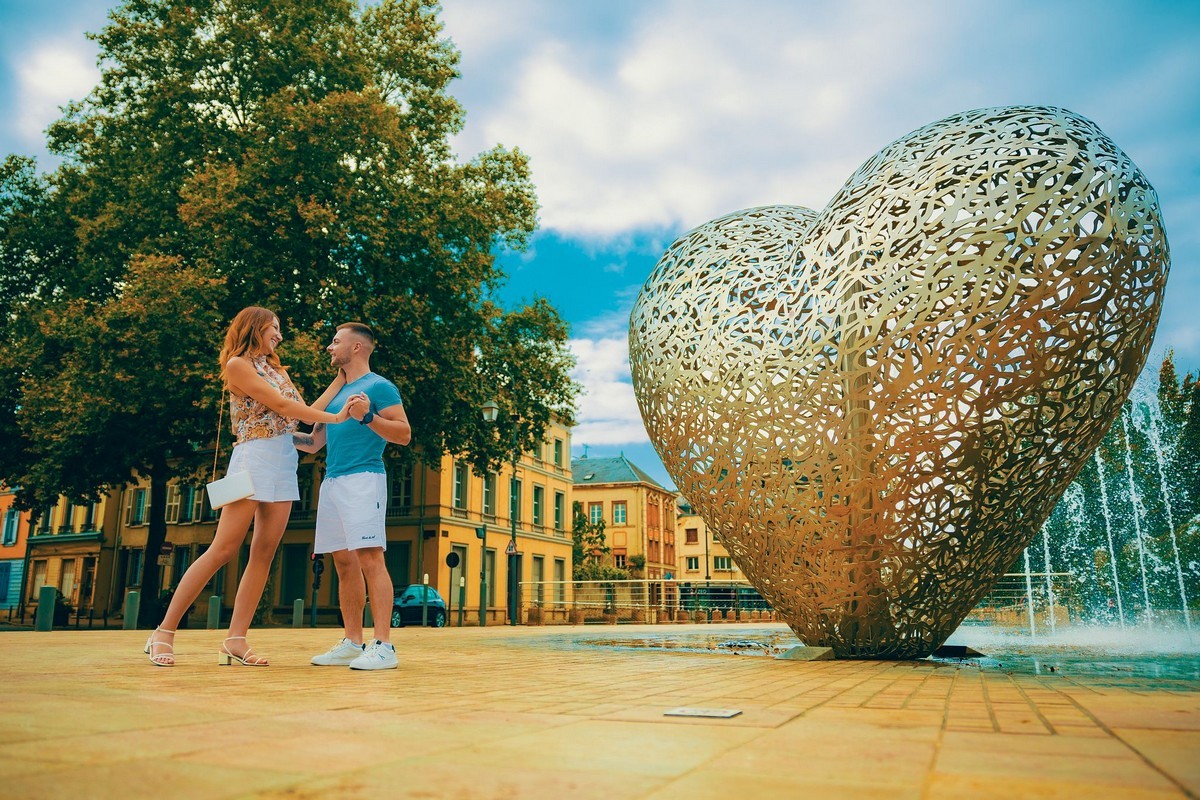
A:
{"x": 876, "y": 406}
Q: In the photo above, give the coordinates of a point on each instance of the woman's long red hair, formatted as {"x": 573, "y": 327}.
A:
{"x": 245, "y": 337}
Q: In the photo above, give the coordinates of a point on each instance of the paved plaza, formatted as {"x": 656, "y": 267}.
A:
{"x": 544, "y": 712}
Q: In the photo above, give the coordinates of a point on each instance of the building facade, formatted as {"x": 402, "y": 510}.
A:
{"x": 432, "y": 512}
{"x": 639, "y": 514}
{"x": 702, "y": 557}
{"x": 13, "y": 547}
{"x": 73, "y": 547}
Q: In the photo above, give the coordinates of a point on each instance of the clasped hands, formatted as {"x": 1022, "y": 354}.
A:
{"x": 357, "y": 406}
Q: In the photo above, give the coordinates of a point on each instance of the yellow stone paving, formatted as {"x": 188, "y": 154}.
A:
{"x": 504, "y": 712}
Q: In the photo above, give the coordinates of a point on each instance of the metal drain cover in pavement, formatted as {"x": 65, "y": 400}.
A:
{"x": 715, "y": 713}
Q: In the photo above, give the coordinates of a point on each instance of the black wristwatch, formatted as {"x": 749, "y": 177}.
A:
{"x": 367, "y": 417}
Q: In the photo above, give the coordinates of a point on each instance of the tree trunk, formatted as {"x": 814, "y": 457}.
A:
{"x": 151, "y": 614}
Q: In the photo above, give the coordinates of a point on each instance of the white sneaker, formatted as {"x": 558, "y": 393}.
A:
{"x": 376, "y": 655}
{"x": 339, "y": 655}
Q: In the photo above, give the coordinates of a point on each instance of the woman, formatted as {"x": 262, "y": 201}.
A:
{"x": 264, "y": 408}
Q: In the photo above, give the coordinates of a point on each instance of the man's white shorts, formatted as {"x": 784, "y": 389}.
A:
{"x": 351, "y": 512}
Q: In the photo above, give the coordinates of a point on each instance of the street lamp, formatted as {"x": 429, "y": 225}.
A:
{"x": 491, "y": 412}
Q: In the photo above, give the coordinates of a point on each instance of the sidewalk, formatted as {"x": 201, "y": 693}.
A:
{"x": 531, "y": 712}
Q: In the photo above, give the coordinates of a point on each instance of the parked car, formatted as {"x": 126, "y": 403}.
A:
{"x": 406, "y": 607}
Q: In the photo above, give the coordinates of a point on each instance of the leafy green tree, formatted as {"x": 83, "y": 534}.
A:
{"x": 297, "y": 154}
{"x": 1172, "y": 398}
{"x": 302, "y": 148}
{"x": 522, "y": 354}
{"x": 321, "y": 183}
{"x": 112, "y": 388}
{"x": 1187, "y": 456}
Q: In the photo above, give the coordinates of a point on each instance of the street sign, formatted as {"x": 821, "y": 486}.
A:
{"x": 511, "y": 550}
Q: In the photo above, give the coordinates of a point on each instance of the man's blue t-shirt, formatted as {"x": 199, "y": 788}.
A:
{"x": 352, "y": 447}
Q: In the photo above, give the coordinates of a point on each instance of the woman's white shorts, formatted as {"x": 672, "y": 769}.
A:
{"x": 272, "y": 466}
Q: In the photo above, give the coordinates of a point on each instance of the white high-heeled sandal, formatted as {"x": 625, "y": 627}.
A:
{"x": 247, "y": 659}
{"x": 159, "y": 659}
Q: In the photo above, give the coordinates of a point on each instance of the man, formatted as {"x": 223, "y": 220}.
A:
{"x": 353, "y": 503}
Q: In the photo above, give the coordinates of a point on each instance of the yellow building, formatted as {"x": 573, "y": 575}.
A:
{"x": 449, "y": 504}
{"x": 638, "y": 513}
{"x": 463, "y": 504}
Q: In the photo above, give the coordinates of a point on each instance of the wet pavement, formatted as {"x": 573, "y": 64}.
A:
{"x": 580, "y": 712}
{"x": 1169, "y": 658}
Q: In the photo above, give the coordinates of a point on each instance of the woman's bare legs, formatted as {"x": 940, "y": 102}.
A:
{"x": 231, "y": 532}
{"x": 270, "y": 519}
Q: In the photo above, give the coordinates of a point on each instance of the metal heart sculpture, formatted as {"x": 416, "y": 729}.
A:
{"x": 876, "y": 407}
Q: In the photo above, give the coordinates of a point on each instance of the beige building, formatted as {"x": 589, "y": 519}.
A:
{"x": 701, "y": 556}
{"x": 638, "y": 513}
{"x": 708, "y": 578}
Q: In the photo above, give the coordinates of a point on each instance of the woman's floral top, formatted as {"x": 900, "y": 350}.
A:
{"x": 253, "y": 420}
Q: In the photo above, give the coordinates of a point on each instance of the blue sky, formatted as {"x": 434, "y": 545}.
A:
{"x": 645, "y": 119}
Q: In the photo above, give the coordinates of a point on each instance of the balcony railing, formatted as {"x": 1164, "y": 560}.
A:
{"x": 66, "y": 533}
{"x": 398, "y": 512}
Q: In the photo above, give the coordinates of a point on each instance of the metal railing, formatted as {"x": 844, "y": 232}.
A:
{"x": 641, "y": 600}
{"x": 1020, "y": 600}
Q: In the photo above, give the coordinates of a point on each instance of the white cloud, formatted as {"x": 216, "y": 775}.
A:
{"x": 608, "y": 410}
{"x": 696, "y": 110}
{"x": 52, "y": 74}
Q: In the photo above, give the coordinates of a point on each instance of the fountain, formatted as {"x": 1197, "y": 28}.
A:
{"x": 1137, "y": 513}
{"x": 1152, "y": 421}
{"x": 1050, "y": 598}
{"x": 1112, "y": 553}
{"x": 1139, "y": 553}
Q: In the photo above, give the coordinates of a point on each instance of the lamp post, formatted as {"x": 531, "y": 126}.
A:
{"x": 491, "y": 411}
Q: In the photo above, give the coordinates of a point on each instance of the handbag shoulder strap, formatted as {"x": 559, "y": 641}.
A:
{"x": 217, "y": 448}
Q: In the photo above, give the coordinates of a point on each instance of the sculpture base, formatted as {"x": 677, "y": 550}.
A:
{"x": 957, "y": 651}
{"x": 803, "y": 653}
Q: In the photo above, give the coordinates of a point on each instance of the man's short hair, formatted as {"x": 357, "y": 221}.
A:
{"x": 360, "y": 328}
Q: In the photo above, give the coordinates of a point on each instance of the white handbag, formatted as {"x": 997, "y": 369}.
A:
{"x": 229, "y": 489}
